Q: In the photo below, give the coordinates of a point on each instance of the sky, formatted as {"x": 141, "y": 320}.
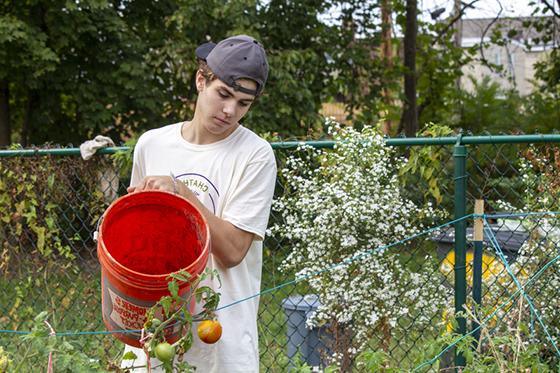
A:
{"x": 483, "y": 8}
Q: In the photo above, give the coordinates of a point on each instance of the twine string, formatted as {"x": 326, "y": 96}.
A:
{"x": 534, "y": 310}
{"x": 50, "y": 367}
{"x": 519, "y": 292}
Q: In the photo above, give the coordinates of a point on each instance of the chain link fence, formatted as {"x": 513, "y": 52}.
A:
{"x": 50, "y": 205}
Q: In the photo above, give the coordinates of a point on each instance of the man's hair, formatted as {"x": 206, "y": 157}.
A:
{"x": 206, "y": 71}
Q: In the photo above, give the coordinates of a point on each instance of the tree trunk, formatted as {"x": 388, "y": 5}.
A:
{"x": 387, "y": 55}
{"x": 5, "y": 126}
{"x": 410, "y": 115}
{"x": 27, "y": 125}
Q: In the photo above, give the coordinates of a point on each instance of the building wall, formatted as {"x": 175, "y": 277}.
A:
{"x": 517, "y": 61}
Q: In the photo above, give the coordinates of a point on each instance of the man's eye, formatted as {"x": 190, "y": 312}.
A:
{"x": 243, "y": 104}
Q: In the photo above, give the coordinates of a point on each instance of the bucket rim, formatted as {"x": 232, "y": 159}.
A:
{"x": 203, "y": 254}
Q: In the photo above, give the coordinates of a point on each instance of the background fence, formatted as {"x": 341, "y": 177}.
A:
{"x": 51, "y": 200}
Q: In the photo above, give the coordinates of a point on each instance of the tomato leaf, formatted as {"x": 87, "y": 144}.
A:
{"x": 129, "y": 356}
{"x": 182, "y": 276}
{"x": 173, "y": 287}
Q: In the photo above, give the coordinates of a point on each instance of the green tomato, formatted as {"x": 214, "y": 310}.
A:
{"x": 164, "y": 352}
{"x": 156, "y": 323}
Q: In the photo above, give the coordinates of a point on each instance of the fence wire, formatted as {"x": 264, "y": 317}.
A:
{"x": 49, "y": 207}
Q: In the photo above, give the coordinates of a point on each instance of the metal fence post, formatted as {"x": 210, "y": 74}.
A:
{"x": 460, "y": 160}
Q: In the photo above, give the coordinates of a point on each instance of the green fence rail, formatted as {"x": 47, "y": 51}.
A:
{"x": 50, "y": 201}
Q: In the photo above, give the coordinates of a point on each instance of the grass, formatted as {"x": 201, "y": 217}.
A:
{"x": 273, "y": 338}
{"x": 72, "y": 297}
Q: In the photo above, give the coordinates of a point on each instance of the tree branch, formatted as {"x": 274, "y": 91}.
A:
{"x": 551, "y": 7}
{"x": 453, "y": 20}
{"x": 481, "y": 48}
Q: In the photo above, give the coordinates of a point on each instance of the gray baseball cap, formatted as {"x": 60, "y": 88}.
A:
{"x": 234, "y": 58}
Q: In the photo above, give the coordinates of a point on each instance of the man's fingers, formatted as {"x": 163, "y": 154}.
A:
{"x": 137, "y": 188}
{"x": 152, "y": 183}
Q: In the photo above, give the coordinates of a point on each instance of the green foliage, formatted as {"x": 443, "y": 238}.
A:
{"x": 542, "y": 109}
{"x": 122, "y": 160}
{"x": 439, "y": 67}
{"x": 5, "y": 361}
{"x": 83, "y": 68}
{"x": 36, "y": 195}
{"x": 489, "y": 108}
{"x": 24, "y": 49}
{"x": 29, "y": 220}
{"x": 542, "y": 113}
{"x": 427, "y": 162}
{"x": 75, "y": 70}
{"x": 374, "y": 361}
{"x": 290, "y": 105}
{"x": 492, "y": 109}
{"x": 67, "y": 355}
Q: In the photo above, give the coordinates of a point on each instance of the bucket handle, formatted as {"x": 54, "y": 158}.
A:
{"x": 96, "y": 231}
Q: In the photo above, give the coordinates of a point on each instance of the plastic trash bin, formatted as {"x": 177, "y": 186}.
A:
{"x": 310, "y": 343}
{"x": 510, "y": 241}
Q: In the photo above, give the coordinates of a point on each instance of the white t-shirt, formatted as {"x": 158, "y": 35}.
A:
{"x": 234, "y": 178}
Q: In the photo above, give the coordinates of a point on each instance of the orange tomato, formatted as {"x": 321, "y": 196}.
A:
{"x": 209, "y": 331}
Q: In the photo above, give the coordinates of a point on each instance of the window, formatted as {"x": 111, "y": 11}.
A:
{"x": 498, "y": 58}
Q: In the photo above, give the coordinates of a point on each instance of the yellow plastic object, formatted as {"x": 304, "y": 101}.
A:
{"x": 491, "y": 266}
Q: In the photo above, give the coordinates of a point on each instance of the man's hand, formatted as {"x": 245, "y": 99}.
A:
{"x": 167, "y": 184}
{"x": 164, "y": 183}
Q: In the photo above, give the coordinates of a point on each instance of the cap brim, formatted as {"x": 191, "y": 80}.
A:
{"x": 204, "y": 50}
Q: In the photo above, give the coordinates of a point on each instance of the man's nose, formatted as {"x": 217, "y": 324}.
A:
{"x": 229, "y": 109}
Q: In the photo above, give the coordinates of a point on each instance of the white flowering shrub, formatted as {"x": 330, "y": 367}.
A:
{"x": 343, "y": 207}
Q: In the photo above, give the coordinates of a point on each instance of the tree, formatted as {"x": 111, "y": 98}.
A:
{"x": 25, "y": 57}
{"x": 410, "y": 115}
{"x": 79, "y": 67}
{"x": 387, "y": 55}
{"x": 543, "y": 109}
{"x": 70, "y": 70}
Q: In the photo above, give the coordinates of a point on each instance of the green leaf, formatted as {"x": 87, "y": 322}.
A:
{"x": 182, "y": 276}
{"x": 129, "y": 356}
{"x": 166, "y": 303}
{"x": 173, "y": 287}
{"x": 40, "y": 231}
{"x": 187, "y": 340}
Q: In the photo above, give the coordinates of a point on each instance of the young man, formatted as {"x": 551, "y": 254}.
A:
{"x": 229, "y": 173}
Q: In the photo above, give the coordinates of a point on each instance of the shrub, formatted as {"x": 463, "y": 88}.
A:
{"x": 340, "y": 210}
{"x": 48, "y": 206}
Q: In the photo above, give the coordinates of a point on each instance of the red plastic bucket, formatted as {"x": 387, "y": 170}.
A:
{"x": 143, "y": 238}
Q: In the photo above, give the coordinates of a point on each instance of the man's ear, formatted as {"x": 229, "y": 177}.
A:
{"x": 200, "y": 81}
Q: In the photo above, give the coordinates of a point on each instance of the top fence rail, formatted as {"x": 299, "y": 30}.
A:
{"x": 405, "y": 141}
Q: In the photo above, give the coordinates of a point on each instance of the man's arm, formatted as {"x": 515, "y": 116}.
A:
{"x": 229, "y": 243}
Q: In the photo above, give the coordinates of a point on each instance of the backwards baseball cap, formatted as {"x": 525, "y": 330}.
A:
{"x": 237, "y": 57}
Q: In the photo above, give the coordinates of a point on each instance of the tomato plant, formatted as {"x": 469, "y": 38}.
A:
{"x": 172, "y": 312}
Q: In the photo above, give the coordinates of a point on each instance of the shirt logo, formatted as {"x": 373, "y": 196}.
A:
{"x": 203, "y": 188}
